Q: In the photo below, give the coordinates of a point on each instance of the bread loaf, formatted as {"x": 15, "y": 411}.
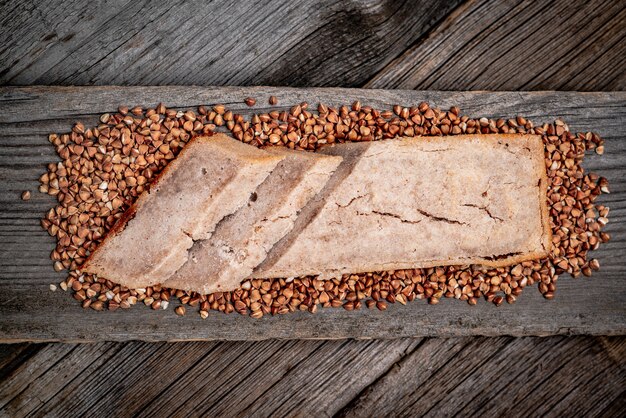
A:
{"x": 422, "y": 202}
{"x": 211, "y": 178}
{"x": 217, "y": 216}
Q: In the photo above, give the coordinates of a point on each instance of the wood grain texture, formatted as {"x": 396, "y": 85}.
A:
{"x": 29, "y": 311}
{"x": 517, "y": 45}
{"x": 507, "y": 377}
{"x": 286, "y": 42}
{"x": 402, "y": 377}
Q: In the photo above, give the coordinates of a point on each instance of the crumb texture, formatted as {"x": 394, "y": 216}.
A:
{"x": 211, "y": 178}
{"x": 241, "y": 241}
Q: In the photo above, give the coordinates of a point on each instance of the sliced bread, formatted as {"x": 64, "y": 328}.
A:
{"x": 211, "y": 178}
{"x": 242, "y": 240}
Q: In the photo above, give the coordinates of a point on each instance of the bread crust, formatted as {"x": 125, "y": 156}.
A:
{"x": 530, "y": 147}
{"x": 242, "y": 241}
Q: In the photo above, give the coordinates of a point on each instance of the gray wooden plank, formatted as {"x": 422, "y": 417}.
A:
{"x": 261, "y": 381}
{"x": 134, "y": 378}
{"x": 9, "y": 352}
{"x": 210, "y": 379}
{"x": 403, "y": 377}
{"x": 497, "y": 377}
{"x": 615, "y": 409}
{"x": 587, "y": 384}
{"x": 396, "y": 390}
{"x": 14, "y": 355}
{"x": 321, "y": 383}
{"x": 245, "y": 369}
{"x": 29, "y": 311}
{"x": 78, "y": 364}
{"x": 546, "y": 374}
{"x": 517, "y": 45}
{"x": 22, "y": 377}
{"x": 222, "y": 42}
{"x": 615, "y": 348}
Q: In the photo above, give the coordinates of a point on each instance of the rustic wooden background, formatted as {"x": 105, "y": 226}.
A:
{"x": 32, "y": 313}
{"x": 456, "y": 45}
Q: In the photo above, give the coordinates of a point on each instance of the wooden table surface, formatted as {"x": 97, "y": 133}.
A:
{"x": 425, "y": 45}
{"x": 32, "y": 313}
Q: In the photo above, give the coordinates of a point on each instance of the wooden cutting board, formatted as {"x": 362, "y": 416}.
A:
{"x": 29, "y": 311}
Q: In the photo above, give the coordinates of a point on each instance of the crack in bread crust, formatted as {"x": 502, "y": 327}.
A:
{"x": 315, "y": 205}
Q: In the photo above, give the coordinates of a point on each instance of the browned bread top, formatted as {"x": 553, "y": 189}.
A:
{"x": 422, "y": 202}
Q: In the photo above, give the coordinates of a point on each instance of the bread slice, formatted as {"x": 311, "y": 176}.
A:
{"x": 241, "y": 241}
{"x": 211, "y": 178}
{"x": 422, "y": 202}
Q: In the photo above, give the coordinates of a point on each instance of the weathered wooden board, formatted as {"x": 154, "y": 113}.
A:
{"x": 30, "y": 312}
{"x": 425, "y": 44}
{"x": 483, "y": 44}
{"x": 476, "y": 379}
{"x": 517, "y": 45}
{"x": 277, "y": 42}
{"x": 504, "y": 376}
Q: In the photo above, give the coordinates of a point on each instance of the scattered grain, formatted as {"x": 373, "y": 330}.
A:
{"x": 105, "y": 168}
